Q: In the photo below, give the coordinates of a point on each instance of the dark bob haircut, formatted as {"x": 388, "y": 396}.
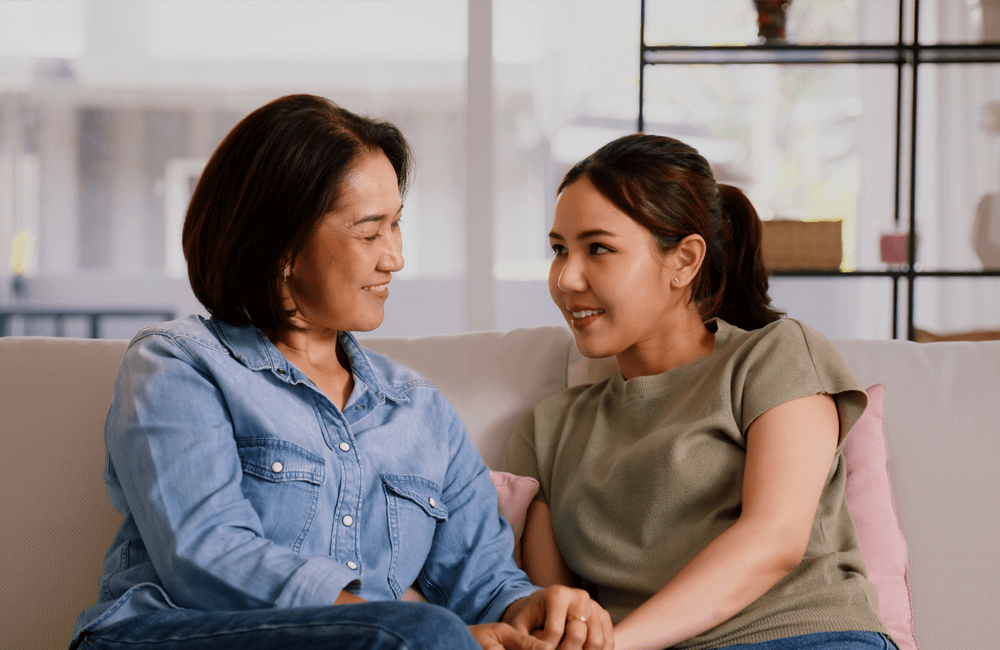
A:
{"x": 263, "y": 193}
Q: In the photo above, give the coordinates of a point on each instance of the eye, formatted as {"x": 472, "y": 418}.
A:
{"x": 558, "y": 249}
{"x": 395, "y": 224}
{"x": 373, "y": 237}
{"x": 599, "y": 249}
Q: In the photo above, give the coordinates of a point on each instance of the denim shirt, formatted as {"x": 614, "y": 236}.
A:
{"x": 243, "y": 486}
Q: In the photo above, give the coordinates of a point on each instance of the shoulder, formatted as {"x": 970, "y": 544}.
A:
{"x": 396, "y": 376}
{"x": 784, "y": 340}
{"x": 190, "y": 337}
{"x": 790, "y": 339}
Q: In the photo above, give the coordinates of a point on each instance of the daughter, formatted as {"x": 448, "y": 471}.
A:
{"x": 698, "y": 494}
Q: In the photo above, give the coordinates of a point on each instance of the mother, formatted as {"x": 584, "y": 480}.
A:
{"x": 273, "y": 475}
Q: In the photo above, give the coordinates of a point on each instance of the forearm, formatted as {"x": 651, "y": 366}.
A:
{"x": 731, "y": 572}
{"x": 541, "y": 558}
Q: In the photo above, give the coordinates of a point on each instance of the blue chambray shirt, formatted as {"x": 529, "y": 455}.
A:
{"x": 244, "y": 487}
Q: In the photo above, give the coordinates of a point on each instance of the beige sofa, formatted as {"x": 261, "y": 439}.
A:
{"x": 942, "y": 424}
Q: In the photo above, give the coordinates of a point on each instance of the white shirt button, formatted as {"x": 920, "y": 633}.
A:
{"x": 277, "y": 467}
{"x": 432, "y": 502}
{"x": 352, "y": 566}
{"x": 345, "y": 447}
{"x": 348, "y": 520}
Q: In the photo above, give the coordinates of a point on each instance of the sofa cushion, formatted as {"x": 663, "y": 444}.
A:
{"x": 869, "y": 496}
{"x": 514, "y": 494}
{"x": 58, "y": 521}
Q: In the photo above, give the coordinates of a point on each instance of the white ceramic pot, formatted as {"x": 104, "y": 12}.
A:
{"x": 990, "y": 32}
{"x": 986, "y": 231}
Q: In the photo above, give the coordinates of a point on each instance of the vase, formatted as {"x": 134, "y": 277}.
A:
{"x": 986, "y": 232}
{"x": 990, "y": 21}
{"x": 894, "y": 249}
{"x": 771, "y": 16}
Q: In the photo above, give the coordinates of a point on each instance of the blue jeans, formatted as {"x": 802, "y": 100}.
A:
{"x": 823, "y": 641}
{"x": 369, "y": 626}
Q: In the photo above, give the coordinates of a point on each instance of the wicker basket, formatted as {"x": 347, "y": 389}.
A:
{"x": 791, "y": 244}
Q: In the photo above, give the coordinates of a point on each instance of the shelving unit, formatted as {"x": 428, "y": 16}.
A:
{"x": 906, "y": 57}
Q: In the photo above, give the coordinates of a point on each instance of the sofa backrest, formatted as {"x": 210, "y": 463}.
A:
{"x": 58, "y": 521}
{"x": 942, "y": 428}
{"x": 942, "y": 409}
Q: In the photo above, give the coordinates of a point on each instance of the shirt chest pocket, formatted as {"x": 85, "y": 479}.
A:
{"x": 282, "y": 482}
{"x": 415, "y": 508}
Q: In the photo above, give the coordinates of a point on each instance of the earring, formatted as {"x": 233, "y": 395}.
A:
{"x": 677, "y": 280}
{"x": 285, "y": 279}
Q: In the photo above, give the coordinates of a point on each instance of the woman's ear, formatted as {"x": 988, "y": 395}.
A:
{"x": 686, "y": 259}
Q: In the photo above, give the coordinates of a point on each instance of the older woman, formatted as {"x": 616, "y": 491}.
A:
{"x": 276, "y": 479}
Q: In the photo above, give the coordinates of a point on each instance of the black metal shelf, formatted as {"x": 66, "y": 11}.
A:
{"x": 905, "y": 55}
{"x": 831, "y": 54}
{"x": 888, "y": 273}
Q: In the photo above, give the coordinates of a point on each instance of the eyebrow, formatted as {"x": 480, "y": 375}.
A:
{"x": 586, "y": 234}
{"x": 376, "y": 217}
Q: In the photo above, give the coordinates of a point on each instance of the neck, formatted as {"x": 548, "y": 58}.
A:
{"x": 319, "y": 355}
{"x": 681, "y": 341}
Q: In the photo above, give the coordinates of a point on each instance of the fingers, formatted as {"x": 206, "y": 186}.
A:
{"x": 600, "y": 633}
{"x": 567, "y": 617}
{"x": 588, "y": 627}
{"x": 576, "y": 634}
{"x": 500, "y": 636}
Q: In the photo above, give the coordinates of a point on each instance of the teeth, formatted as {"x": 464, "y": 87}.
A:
{"x": 588, "y": 312}
{"x": 376, "y": 287}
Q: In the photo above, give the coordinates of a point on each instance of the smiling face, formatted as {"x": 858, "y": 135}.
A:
{"x": 339, "y": 280}
{"x": 608, "y": 277}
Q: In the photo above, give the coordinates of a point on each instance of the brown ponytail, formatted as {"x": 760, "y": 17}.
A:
{"x": 743, "y": 300}
{"x": 668, "y": 187}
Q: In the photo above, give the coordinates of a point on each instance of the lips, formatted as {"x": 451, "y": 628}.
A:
{"x": 583, "y": 316}
{"x": 377, "y": 289}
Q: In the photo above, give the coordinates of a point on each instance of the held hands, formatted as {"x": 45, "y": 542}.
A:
{"x": 564, "y": 618}
{"x": 501, "y": 636}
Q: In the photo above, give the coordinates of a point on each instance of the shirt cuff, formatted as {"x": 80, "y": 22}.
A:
{"x": 500, "y": 605}
{"x": 318, "y": 582}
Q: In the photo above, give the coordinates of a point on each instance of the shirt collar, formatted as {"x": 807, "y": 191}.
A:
{"x": 248, "y": 345}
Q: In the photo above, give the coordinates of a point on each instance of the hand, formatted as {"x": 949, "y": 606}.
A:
{"x": 347, "y": 598}
{"x": 565, "y": 616}
{"x": 500, "y": 636}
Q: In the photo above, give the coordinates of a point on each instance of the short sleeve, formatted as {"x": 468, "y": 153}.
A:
{"x": 788, "y": 360}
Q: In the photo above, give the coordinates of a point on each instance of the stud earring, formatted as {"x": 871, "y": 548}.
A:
{"x": 677, "y": 280}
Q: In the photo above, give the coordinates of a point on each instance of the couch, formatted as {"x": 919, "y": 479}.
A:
{"x": 941, "y": 424}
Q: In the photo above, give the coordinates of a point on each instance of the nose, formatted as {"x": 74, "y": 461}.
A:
{"x": 571, "y": 276}
{"x": 392, "y": 257}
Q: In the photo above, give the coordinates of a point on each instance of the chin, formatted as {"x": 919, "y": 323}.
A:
{"x": 367, "y": 322}
{"x": 592, "y": 349}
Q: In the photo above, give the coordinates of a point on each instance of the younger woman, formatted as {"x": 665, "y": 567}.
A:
{"x": 698, "y": 494}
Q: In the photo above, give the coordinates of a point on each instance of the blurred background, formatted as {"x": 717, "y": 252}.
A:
{"x": 110, "y": 108}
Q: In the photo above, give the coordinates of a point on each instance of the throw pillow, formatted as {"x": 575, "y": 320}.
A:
{"x": 869, "y": 496}
{"x": 514, "y": 495}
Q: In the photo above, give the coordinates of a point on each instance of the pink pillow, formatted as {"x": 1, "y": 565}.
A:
{"x": 514, "y": 494}
{"x": 869, "y": 496}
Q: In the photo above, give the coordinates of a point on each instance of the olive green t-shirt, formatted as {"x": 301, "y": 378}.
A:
{"x": 640, "y": 475}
